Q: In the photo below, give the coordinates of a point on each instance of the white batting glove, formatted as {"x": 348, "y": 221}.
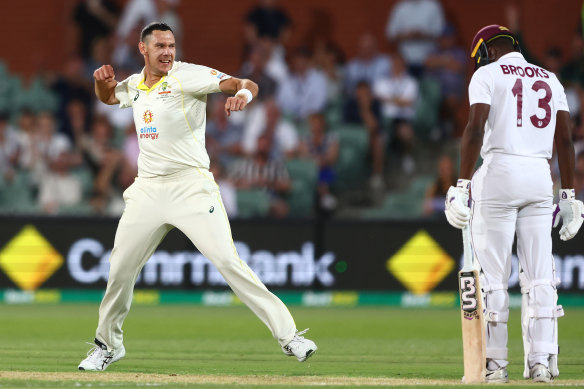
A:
{"x": 456, "y": 206}
{"x": 572, "y": 213}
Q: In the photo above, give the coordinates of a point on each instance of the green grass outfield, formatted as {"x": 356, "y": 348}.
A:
{"x": 194, "y": 346}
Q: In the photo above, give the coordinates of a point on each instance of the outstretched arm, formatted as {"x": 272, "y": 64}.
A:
{"x": 105, "y": 85}
{"x": 245, "y": 90}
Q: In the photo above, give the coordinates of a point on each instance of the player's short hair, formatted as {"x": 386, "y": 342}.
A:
{"x": 154, "y": 26}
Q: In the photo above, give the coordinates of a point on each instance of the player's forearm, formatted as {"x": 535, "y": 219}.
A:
{"x": 105, "y": 91}
{"x": 233, "y": 85}
{"x": 566, "y": 161}
{"x": 472, "y": 141}
{"x": 250, "y": 86}
{"x": 565, "y": 148}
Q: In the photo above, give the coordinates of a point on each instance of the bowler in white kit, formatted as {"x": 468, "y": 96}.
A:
{"x": 174, "y": 188}
{"x": 517, "y": 111}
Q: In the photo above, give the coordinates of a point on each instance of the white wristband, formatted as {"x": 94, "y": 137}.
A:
{"x": 567, "y": 194}
{"x": 246, "y": 93}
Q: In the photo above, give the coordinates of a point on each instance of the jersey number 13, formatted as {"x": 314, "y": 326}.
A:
{"x": 543, "y": 103}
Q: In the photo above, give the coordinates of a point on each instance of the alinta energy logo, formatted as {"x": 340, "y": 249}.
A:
{"x": 420, "y": 264}
{"x": 29, "y": 259}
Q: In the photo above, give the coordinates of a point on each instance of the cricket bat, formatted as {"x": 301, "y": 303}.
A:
{"x": 473, "y": 325}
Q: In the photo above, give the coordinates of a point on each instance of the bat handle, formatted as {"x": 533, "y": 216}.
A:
{"x": 466, "y": 242}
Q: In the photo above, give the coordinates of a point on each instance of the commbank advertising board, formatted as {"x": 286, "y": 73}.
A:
{"x": 417, "y": 257}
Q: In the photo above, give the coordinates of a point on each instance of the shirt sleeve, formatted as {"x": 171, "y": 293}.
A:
{"x": 480, "y": 89}
{"x": 122, "y": 93}
{"x": 562, "y": 99}
{"x": 199, "y": 80}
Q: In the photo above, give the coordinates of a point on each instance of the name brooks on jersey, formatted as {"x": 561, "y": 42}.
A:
{"x": 526, "y": 71}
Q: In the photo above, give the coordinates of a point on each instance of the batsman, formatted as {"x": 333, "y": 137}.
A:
{"x": 517, "y": 111}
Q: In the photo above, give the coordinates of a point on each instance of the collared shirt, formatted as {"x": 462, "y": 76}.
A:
{"x": 424, "y": 16}
{"x": 170, "y": 117}
{"x": 524, "y": 100}
{"x": 300, "y": 96}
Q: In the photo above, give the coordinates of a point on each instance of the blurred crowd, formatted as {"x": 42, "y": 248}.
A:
{"x": 326, "y": 135}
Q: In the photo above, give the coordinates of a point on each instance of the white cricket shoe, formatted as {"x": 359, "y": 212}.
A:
{"x": 540, "y": 373}
{"x": 300, "y": 347}
{"x": 498, "y": 376}
{"x": 98, "y": 358}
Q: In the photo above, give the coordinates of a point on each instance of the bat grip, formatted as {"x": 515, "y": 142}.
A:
{"x": 466, "y": 242}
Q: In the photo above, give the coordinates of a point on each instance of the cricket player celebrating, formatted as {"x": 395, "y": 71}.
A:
{"x": 517, "y": 111}
{"x": 174, "y": 188}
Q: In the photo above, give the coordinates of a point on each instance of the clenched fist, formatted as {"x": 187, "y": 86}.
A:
{"x": 235, "y": 103}
{"x": 104, "y": 73}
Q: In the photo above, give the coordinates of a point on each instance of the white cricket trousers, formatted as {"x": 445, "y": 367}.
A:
{"x": 190, "y": 201}
{"x": 514, "y": 195}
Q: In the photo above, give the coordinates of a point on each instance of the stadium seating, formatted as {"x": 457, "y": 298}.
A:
{"x": 304, "y": 176}
{"x": 16, "y": 195}
{"x": 252, "y": 203}
{"x": 351, "y": 168}
{"x": 403, "y": 205}
{"x": 427, "y": 107}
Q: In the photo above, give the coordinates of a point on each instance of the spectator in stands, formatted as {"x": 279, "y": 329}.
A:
{"x": 447, "y": 65}
{"x": 268, "y": 25}
{"x": 226, "y": 188}
{"x": 223, "y": 134}
{"x": 125, "y": 56}
{"x": 512, "y": 13}
{"x": 78, "y": 121}
{"x": 9, "y": 149}
{"x": 34, "y": 93}
{"x": 365, "y": 109}
{"x": 267, "y": 20}
{"x": 369, "y": 64}
{"x": 58, "y": 187}
{"x": 104, "y": 160}
{"x": 71, "y": 85}
{"x": 255, "y": 69}
{"x": 304, "y": 91}
{"x": 42, "y": 144}
{"x": 415, "y": 25}
{"x": 329, "y": 59}
{"x": 142, "y": 12}
{"x": 436, "y": 193}
{"x": 52, "y": 167}
{"x": 138, "y": 13}
{"x": 101, "y": 52}
{"x": 398, "y": 92}
{"x": 27, "y": 134}
{"x": 95, "y": 19}
{"x": 323, "y": 148}
{"x": 402, "y": 145}
{"x": 266, "y": 119}
{"x": 572, "y": 73}
{"x": 262, "y": 172}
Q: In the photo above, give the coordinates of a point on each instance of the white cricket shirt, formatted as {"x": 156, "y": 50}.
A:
{"x": 170, "y": 117}
{"x": 524, "y": 101}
